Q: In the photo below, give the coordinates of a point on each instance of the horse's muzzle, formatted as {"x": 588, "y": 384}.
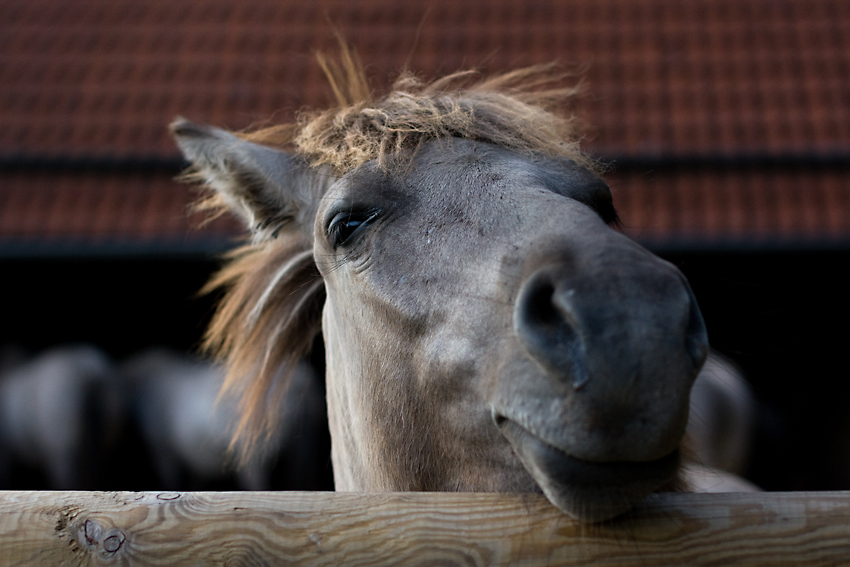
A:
{"x": 591, "y": 492}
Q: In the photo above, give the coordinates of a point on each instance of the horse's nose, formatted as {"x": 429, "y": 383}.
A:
{"x": 573, "y": 327}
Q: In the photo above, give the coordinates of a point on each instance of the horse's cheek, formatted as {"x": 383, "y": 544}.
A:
{"x": 342, "y": 369}
{"x": 363, "y": 409}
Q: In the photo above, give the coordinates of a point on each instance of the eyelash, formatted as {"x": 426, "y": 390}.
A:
{"x": 346, "y": 224}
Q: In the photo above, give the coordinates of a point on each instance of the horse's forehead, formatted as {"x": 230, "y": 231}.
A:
{"x": 457, "y": 160}
{"x": 450, "y": 165}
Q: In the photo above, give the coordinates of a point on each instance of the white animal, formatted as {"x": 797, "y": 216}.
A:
{"x": 721, "y": 427}
{"x": 175, "y": 399}
{"x": 45, "y": 405}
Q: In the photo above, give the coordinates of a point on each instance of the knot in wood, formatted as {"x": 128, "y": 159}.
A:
{"x": 109, "y": 540}
{"x": 113, "y": 542}
{"x": 92, "y": 531}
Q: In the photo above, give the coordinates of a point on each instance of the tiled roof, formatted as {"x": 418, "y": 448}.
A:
{"x": 695, "y": 208}
{"x": 94, "y": 212}
{"x": 101, "y": 79}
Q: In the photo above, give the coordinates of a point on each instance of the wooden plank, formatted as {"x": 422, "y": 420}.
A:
{"x": 301, "y": 528}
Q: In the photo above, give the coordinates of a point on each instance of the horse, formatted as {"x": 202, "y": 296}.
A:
{"x": 723, "y": 416}
{"x": 486, "y": 325}
{"x": 174, "y": 400}
{"x": 57, "y": 410}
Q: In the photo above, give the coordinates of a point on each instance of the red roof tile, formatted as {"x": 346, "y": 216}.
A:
{"x": 752, "y": 206}
{"x": 664, "y": 78}
{"x": 92, "y": 207}
{"x": 104, "y": 76}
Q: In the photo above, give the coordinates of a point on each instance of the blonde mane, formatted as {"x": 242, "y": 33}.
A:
{"x": 271, "y": 311}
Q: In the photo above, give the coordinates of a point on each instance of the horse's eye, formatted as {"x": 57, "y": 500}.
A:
{"x": 347, "y": 224}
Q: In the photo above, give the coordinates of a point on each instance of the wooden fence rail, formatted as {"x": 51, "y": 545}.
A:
{"x": 301, "y": 528}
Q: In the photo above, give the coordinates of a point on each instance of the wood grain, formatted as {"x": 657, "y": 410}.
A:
{"x": 302, "y": 528}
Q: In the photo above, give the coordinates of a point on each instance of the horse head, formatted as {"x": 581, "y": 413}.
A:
{"x": 486, "y": 326}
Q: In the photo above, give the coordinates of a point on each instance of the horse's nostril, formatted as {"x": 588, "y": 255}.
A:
{"x": 540, "y": 308}
{"x": 546, "y": 327}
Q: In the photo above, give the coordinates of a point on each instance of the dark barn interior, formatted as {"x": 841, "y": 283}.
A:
{"x": 727, "y": 125}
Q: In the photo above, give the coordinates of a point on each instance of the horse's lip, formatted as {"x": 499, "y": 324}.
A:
{"x": 590, "y": 491}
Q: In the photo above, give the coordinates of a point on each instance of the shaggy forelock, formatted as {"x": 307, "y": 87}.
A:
{"x": 516, "y": 110}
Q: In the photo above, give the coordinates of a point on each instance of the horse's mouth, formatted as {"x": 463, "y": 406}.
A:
{"x": 591, "y": 492}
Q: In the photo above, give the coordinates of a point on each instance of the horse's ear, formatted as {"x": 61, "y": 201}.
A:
{"x": 269, "y": 188}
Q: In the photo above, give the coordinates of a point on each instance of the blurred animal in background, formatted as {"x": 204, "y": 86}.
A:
{"x": 721, "y": 426}
{"x": 723, "y": 416}
{"x": 57, "y": 411}
{"x": 79, "y": 421}
{"x": 174, "y": 397}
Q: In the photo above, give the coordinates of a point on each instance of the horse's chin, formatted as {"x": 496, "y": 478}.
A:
{"x": 590, "y": 492}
